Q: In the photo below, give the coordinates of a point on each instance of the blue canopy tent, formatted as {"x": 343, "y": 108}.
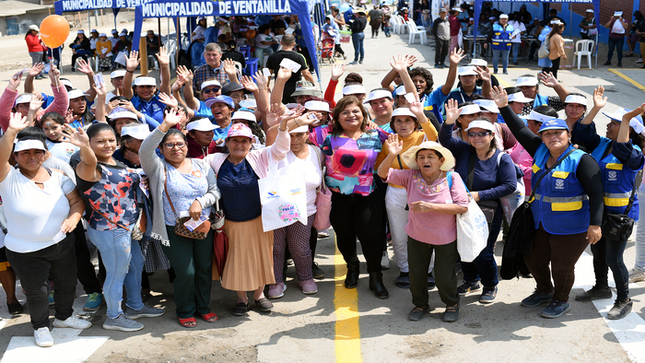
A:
{"x": 192, "y": 8}
{"x": 596, "y": 9}
{"x": 62, "y": 6}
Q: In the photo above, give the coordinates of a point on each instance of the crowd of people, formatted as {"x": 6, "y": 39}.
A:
{"x": 139, "y": 166}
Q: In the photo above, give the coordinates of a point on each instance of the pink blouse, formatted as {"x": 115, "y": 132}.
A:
{"x": 524, "y": 160}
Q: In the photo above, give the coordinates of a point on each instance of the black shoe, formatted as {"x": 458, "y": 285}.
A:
{"x": 376, "y": 285}
{"x": 620, "y": 309}
{"x": 418, "y": 313}
{"x": 317, "y": 272}
{"x": 14, "y": 308}
{"x": 353, "y": 270}
{"x": 431, "y": 282}
{"x": 619, "y": 64}
{"x": 403, "y": 281}
{"x": 595, "y": 293}
{"x": 607, "y": 64}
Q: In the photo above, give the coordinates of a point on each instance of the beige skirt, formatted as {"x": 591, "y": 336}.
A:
{"x": 249, "y": 264}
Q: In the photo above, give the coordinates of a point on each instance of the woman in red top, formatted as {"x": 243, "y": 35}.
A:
{"x": 34, "y": 47}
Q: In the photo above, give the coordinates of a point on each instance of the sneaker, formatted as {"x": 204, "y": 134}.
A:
{"x": 43, "y": 337}
{"x": 94, "y": 301}
{"x": 403, "y": 281}
{"x": 636, "y": 274}
{"x": 595, "y": 293}
{"x": 431, "y": 282}
{"x": 488, "y": 295}
{"x": 323, "y": 234}
{"x": 418, "y": 313}
{"x": 451, "y": 314}
{"x": 276, "y": 291}
{"x": 122, "y": 323}
{"x": 72, "y": 322}
{"x": 620, "y": 309}
{"x": 436, "y": 66}
{"x": 308, "y": 287}
{"x": 360, "y": 62}
{"x": 145, "y": 312}
{"x": 555, "y": 309}
{"x": 51, "y": 298}
{"x": 536, "y": 299}
{"x": 640, "y": 60}
{"x": 505, "y": 72}
{"x": 385, "y": 261}
{"x": 607, "y": 64}
{"x": 353, "y": 63}
{"x": 317, "y": 272}
{"x": 468, "y": 287}
{"x": 240, "y": 309}
{"x": 619, "y": 64}
{"x": 264, "y": 304}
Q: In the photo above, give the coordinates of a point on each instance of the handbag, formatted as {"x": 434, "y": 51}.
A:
{"x": 180, "y": 229}
{"x": 511, "y": 202}
{"x": 323, "y": 199}
{"x": 616, "y": 226}
{"x": 543, "y": 52}
{"x": 519, "y": 239}
{"x": 472, "y": 229}
{"x": 220, "y": 242}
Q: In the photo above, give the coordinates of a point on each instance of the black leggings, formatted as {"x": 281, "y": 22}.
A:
{"x": 554, "y": 67}
{"x": 339, "y": 49}
{"x": 358, "y": 216}
{"x": 609, "y": 254}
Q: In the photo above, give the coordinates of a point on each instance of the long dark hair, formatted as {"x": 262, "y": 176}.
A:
{"x": 95, "y": 128}
{"x": 556, "y": 29}
{"x": 637, "y": 139}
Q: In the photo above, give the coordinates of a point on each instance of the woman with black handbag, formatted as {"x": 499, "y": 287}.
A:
{"x": 620, "y": 158}
{"x": 489, "y": 177}
{"x": 567, "y": 207}
{"x": 182, "y": 187}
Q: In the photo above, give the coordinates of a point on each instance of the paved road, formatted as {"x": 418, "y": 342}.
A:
{"x": 344, "y": 325}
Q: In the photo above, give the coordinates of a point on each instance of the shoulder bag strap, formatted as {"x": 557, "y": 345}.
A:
{"x": 398, "y": 157}
{"x": 547, "y": 171}
{"x": 471, "y": 170}
{"x": 165, "y": 189}
{"x": 631, "y": 200}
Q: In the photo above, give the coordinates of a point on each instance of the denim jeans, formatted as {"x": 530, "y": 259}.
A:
{"x": 35, "y": 268}
{"x": 484, "y": 267}
{"x": 504, "y": 54}
{"x": 387, "y": 30}
{"x": 123, "y": 264}
{"x": 359, "y": 51}
{"x": 260, "y": 53}
{"x": 640, "y": 230}
{"x": 515, "y": 47}
{"x": 609, "y": 254}
{"x": 618, "y": 44}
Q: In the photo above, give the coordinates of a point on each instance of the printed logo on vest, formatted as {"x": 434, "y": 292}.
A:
{"x": 612, "y": 175}
{"x": 559, "y": 184}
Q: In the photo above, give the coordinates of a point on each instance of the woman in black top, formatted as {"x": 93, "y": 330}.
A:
{"x": 358, "y": 26}
{"x": 81, "y": 48}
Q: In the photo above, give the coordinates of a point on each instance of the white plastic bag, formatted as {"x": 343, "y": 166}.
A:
{"x": 472, "y": 232}
{"x": 121, "y": 58}
{"x": 283, "y": 197}
{"x": 511, "y": 202}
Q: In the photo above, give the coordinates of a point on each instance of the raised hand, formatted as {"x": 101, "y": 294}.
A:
{"x": 452, "y": 111}
{"x": 248, "y": 84}
{"x": 84, "y": 67}
{"x": 337, "y": 71}
{"x": 261, "y": 80}
{"x": 173, "y": 117}
{"x": 75, "y": 136}
{"x": 132, "y": 62}
{"x": 411, "y": 60}
{"x": 168, "y": 100}
{"x": 417, "y": 108}
{"x": 69, "y": 117}
{"x": 598, "y": 100}
{"x": 499, "y": 96}
{"x": 162, "y": 57}
{"x": 548, "y": 79}
{"x": 100, "y": 90}
{"x": 36, "y": 102}
{"x": 54, "y": 73}
{"x": 456, "y": 56}
{"x": 283, "y": 74}
{"x": 36, "y": 69}
{"x": 229, "y": 66}
{"x": 17, "y": 122}
{"x": 483, "y": 72}
{"x": 394, "y": 145}
{"x": 399, "y": 63}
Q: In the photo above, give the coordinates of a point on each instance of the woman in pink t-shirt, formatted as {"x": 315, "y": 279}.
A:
{"x": 433, "y": 200}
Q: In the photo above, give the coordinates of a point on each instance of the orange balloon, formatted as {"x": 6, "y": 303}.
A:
{"x": 54, "y": 31}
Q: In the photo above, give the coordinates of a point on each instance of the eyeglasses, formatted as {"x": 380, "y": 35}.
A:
{"x": 170, "y": 145}
{"x": 210, "y": 90}
{"x": 478, "y": 134}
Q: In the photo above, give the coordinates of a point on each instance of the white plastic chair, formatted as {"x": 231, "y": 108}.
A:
{"x": 171, "y": 48}
{"x": 403, "y": 26}
{"x": 396, "y": 24}
{"x": 414, "y": 31}
{"x": 584, "y": 47}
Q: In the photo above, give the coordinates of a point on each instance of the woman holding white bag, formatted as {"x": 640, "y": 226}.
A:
{"x": 435, "y": 196}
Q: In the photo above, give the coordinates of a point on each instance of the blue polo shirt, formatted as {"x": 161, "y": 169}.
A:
{"x": 153, "y": 110}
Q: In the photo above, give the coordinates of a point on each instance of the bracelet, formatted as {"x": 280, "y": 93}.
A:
{"x": 129, "y": 71}
{"x": 296, "y": 122}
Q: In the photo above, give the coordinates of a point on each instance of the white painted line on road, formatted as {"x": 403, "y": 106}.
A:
{"x": 629, "y": 331}
{"x": 68, "y": 348}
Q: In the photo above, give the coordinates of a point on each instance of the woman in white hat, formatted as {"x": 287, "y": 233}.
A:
{"x": 530, "y": 86}
{"x": 405, "y": 123}
{"x": 434, "y": 196}
{"x": 489, "y": 174}
{"x": 132, "y": 135}
{"x": 620, "y": 158}
{"x": 104, "y": 52}
{"x": 81, "y": 48}
{"x": 35, "y": 47}
{"x": 39, "y": 241}
{"x": 567, "y": 208}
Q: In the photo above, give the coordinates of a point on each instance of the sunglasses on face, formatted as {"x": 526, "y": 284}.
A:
{"x": 210, "y": 90}
{"x": 478, "y": 134}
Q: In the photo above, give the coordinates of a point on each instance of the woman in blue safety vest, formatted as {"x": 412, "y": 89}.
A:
{"x": 620, "y": 159}
{"x": 501, "y": 42}
{"x": 567, "y": 207}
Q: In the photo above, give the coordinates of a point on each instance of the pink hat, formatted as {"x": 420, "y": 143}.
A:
{"x": 241, "y": 130}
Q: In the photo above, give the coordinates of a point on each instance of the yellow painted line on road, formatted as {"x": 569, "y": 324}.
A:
{"x": 623, "y": 76}
{"x": 502, "y": 82}
{"x": 348, "y": 335}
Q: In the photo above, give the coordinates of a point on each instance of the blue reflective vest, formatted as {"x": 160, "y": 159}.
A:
{"x": 617, "y": 180}
{"x": 540, "y": 100}
{"x": 502, "y": 37}
{"x": 560, "y": 204}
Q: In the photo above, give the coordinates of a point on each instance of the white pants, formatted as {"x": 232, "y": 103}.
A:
{"x": 395, "y": 202}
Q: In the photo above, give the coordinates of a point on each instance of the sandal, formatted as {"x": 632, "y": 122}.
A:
{"x": 188, "y": 322}
{"x": 210, "y": 317}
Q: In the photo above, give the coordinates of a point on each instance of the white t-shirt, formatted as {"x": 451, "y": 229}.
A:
{"x": 263, "y": 38}
{"x": 62, "y": 150}
{"x": 518, "y": 28}
{"x": 34, "y": 215}
{"x": 199, "y": 30}
{"x": 310, "y": 166}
